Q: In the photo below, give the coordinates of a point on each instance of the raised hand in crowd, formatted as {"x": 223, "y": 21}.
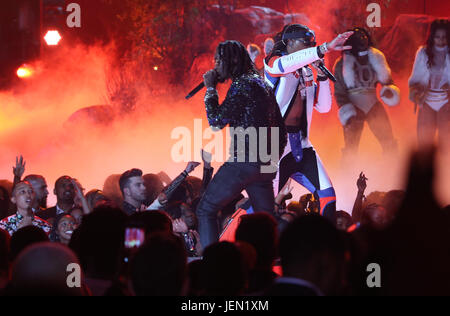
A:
{"x": 164, "y": 197}
{"x": 283, "y": 195}
{"x": 361, "y": 183}
{"x": 19, "y": 169}
{"x": 79, "y": 195}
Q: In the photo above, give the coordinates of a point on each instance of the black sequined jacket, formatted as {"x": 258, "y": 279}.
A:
{"x": 250, "y": 105}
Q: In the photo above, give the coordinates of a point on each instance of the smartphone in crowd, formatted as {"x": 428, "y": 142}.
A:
{"x": 134, "y": 237}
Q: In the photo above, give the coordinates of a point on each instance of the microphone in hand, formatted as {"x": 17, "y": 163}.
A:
{"x": 325, "y": 70}
{"x": 194, "y": 91}
{"x": 200, "y": 86}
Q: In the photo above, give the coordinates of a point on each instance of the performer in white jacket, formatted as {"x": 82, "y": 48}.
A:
{"x": 429, "y": 85}
{"x": 287, "y": 71}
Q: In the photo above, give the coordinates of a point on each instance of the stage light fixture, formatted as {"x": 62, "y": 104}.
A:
{"x": 24, "y": 72}
{"x": 52, "y": 38}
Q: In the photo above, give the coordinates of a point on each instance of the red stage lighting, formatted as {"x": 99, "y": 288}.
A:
{"x": 52, "y": 38}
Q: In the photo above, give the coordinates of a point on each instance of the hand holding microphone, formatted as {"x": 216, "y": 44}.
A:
{"x": 210, "y": 79}
{"x": 322, "y": 70}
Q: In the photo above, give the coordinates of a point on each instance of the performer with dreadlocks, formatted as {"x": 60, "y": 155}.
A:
{"x": 249, "y": 105}
{"x": 287, "y": 71}
{"x": 358, "y": 73}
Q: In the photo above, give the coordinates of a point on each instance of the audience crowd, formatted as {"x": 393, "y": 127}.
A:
{"x": 139, "y": 236}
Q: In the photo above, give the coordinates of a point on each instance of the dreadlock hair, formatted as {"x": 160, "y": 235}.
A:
{"x": 236, "y": 59}
{"x": 439, "y": 24}
{"x": 280, "y": 45}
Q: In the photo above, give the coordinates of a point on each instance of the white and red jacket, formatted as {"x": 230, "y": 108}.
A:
{"x": 283, "y": 74}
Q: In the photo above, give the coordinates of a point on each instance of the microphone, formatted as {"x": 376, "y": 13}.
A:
{"x": 195, "y": 90}
{"x": 327, "y": 72}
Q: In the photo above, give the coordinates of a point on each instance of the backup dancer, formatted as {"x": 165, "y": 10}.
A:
{"x": 429, "y": 85}
{"x": 358, "y": 72}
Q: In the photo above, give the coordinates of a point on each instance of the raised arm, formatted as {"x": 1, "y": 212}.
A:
{"x": 282, "y": 65}
{"x": 357, "y": 207}
{"x": 19, "y": 169}
{"x": 164, "y": 196}
{"x": 80, "y": 195}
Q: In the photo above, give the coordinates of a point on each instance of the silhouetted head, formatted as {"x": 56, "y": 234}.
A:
{"x": 99, "y": 241}
{"x": 260, "y": 231}
{"x": 343, "y": 220}
{"x": 4, "y": 202}
{"x": 375, "y": 216}
{"x": 151, "y": 222}
{"x": 41, "y": 269}
{"x": 392, "y": 201}
{"x": 159, "y": 268}
{"x": 96, "y": 197}
{"x": 25, "y": 237}
{"x": 224, "y": 270}
{"x": 312, "y": 249}
{"x": 111, "y": 189}
{"x": 4, "y": 251}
